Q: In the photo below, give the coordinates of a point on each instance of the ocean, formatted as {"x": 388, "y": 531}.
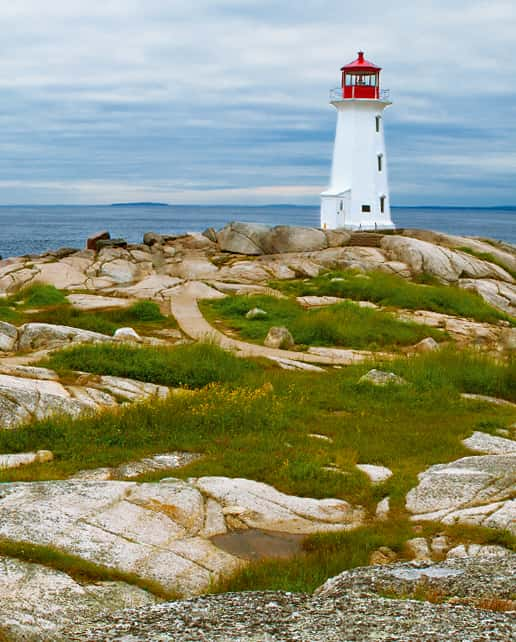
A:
{"x": 36, "y": 229}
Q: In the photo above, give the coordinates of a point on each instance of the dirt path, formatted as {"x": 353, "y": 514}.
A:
{"x": 186, "y": 311}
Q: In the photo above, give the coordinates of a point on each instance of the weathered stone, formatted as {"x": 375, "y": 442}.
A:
{"x": 508, "y": 338}
{"x": 255, "y": 313}
{"x": 33, "y": 336}
{"x": 278, "y": 337}
{"x": 243, "y": 238}
{"x": 337, "y": 238}
{"x": 472, "y": 490}
{"x": 482, "y": 551}
{"x": 91, "y": 243}
{"x": 384, "y": 555}
{"x": 381, "y": 378}
{"x": 382, "y": 509}
{"x": 60, "y": 275}
{"x": 195, "y": 289}
{"x": 25, "y": 459}
{"x": 487, "y": 399}
{"x": 443, "y": 263}
{"x": 377, "y": 474}
{"x": 8, "y": 337}
{"x": 104, "y": 243}
{"x": 127, "y": 334}
{"x": 211, "y": 234}
{"x": 285, "y": 238}
{"x": 418, "y": 548}
{"x": 429, "y": 344}
{"x": 261, "y": 506}
{"x": 318, "y": 301}
{"x": 501, "y": 295}
{"x": 152, "y": 238}
{"x": 40, "y": 604}
{"x": 490, "y": 444}
{"x": 87, "y": 302}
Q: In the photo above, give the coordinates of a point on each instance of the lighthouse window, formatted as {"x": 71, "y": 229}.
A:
{"x": 378, "y": 119}
{"x": 366, "y": 208}
{"x": 380, "y": 157}
{"x": 382, "y": 204}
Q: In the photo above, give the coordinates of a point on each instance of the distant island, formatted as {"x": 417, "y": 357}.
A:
{"x": 139, "y": 205}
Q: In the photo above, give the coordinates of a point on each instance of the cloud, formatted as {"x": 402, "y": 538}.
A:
{"x": 101, "y": 99}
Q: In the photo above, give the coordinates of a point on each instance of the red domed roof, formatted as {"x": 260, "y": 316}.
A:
{"x": 360, "y": 64}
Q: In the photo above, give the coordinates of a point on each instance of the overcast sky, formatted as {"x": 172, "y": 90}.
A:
{"x": 227, "y": 101}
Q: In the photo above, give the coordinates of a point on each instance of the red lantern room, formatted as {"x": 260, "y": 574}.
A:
{"x": 361, "y": 79}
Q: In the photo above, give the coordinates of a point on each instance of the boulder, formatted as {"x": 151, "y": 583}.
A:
{"x": 8, "y": 337}
{"x": 286, "y": 238}
{"x": 91, "y": 243}
{"x": 243, "y": 238}
{"x": 429, "y": 344}
{"x": 418, "y": 548}
{"x": 443, "y": 263}
{"x": 472, "y": 490}
{"x": 337, "y": 238}
{"x": 35, "y": 336}
{"x": 278, "y": 337}
{"x": 153, "y": 238}
{"x": 256, "y": 313}
{"x": 381, "y": 378}
{"x": 383, "y": 555}
{"x": 88, "y": 302}
{"x": 61, "y": 275}
{"x": 127, "y": 334}
{"x": 104, "y": 243}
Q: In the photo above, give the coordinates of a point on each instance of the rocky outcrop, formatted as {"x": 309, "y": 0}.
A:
{"x": 36, "y": 393}
{"x": 40, "y": 604}
{"x": 255, "y": 239}
{"x": 350, "y": 607}
{"x": 471, "y": 490}
{"x": 160, "y": 531}
{"x": 443, "y": 263}
{"x": 36, "y": 336}
{"x": 500, "y": 294}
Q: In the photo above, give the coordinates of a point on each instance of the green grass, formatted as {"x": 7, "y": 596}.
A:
{"x": 79, "y": 569}
{"x": 344, "y": 324}
{"x": 390, "y": 290}
{"x": 190, "y": 366}
{"x": 487, "y": 256}
{"x": 39, "y": 295}
{"x": 52, "y": 307}
{"x": 256, "y": 424}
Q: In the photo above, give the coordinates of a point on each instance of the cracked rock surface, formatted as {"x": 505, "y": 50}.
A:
{"x": 160, "y": 531}
{"x": 472, "y": 490}
{"x": 347, "y": 607}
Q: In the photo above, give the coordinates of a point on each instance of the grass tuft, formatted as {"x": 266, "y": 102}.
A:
{"x": 344, "y": 324}
{"x": 391, "y": 290}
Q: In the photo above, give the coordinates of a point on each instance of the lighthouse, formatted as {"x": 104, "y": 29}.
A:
{"x": 358, "y": 195}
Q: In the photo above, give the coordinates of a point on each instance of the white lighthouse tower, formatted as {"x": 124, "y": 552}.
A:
{"x": 358, "y": 195}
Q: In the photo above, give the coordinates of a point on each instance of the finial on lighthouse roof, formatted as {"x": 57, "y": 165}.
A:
{"x": 361, "y": 57}
{"x": 361, "y": 63}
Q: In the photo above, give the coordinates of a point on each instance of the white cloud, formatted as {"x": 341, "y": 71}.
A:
{"x": 131, "y": 89}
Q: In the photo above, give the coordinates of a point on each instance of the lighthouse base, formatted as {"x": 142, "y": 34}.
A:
{"x": 340, "y": 212}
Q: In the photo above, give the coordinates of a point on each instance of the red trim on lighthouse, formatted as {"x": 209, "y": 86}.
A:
{"x": 361, "y": 79}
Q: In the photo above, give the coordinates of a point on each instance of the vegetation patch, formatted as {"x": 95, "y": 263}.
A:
{"x": 79, "y": 569}
{"x": 51, "y": 306}
{"x": 391, "y": 290}
{"x": 190, "y": 366}
{"x": 256, "y": 423}
{"x": 344, "y": 324}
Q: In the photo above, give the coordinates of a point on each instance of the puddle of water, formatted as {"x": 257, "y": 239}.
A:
{"x": 254, "y": 544}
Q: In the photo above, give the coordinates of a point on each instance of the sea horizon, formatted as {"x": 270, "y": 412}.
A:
{"x": 35, "y": 229}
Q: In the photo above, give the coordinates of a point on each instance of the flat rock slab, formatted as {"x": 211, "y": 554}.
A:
{"x": 40, "y": 604}
{"x": 159, "y": 531}
{"x": 490, "y": 444}
{"x": 87, "y": 302}
{"x": 472, "y": 490}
